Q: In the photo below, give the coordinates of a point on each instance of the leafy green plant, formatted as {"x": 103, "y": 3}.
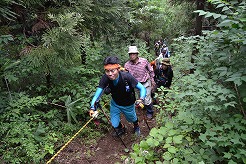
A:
{"x": 207, "y": 125}
{"x": 30, "y": 135}
{"x": 18, "y": 139}
{"x": 69, "y": 107}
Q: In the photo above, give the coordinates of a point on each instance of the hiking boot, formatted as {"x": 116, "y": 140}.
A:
{"x": 150, "y": 111}
{"x": 137, "y": 131}
{"x": 119, "y": 132}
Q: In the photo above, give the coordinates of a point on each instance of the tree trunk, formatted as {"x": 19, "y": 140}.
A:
{"x": 48, "y": 80}
{"x": 92, "y": 39}
{"x": 200, "y": 6}
{"x": 83, "y": 55}
{"x": 147, "y": 41}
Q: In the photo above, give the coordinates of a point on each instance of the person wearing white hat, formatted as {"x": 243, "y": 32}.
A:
{"x": 133, "y": 50}
{"x": 141, "y": 69}
{"x": 164, "y": 52}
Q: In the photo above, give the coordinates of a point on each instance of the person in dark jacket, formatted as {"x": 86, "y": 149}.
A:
{"x": 164, "y": 74}
{"x": 121, "y": 85}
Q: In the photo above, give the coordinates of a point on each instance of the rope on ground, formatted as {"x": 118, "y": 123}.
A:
{"x": 51, "y": 159}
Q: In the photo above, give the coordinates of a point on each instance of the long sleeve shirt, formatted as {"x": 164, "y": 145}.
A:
{"x": 141, "y": 70}
{"x": 118, "y": 89}
{"x": 164, "y": 77}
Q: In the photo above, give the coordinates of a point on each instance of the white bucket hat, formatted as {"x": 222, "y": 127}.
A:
{"x": 133, "y": 49}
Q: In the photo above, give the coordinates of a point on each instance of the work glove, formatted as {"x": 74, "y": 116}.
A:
{"x": 93, "y": 113}
{"x": 139, "y": 104}
{"x": 123, "y": 69}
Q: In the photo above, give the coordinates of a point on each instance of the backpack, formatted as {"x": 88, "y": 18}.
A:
{"x": 160, "y": 81}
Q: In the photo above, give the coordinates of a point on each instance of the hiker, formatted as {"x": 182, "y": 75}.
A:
{"x": 164, "y": 74}
{"x": 140, "y": 68}
{"x": 121, "y": 85}
{"x": 157, "y": 47}
{"x": 164, "y": 52}
{"x": 153, "y": 64}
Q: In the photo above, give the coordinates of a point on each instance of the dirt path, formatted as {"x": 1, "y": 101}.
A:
{"x": 108, "y": 149}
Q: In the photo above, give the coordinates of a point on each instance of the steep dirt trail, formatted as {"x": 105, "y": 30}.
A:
{"x": 108, "y": 149}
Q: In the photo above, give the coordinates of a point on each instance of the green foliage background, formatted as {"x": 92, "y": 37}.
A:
{"x": 204, "y": 116}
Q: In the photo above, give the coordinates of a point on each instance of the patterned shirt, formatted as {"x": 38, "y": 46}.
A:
{"x": 141, "y": 70}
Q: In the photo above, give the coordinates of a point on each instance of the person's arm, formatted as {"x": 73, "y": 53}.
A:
{"x": 151, "y": 74}
{"x": 156, "y": 71}
{"x": 170, "y": 77}
{"x": 126, "y": 66}
{"x": 142, "y": 90}
{"x": 96, "y": 97}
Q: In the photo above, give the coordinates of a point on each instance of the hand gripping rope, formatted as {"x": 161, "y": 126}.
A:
{"x": 93, "y": 116}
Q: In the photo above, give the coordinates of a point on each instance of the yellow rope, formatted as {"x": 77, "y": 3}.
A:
{"x": 71, "y": 139}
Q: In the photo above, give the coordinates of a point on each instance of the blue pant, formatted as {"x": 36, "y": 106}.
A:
{"x": 115, "y": 111}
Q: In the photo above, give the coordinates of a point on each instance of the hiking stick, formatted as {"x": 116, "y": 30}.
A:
{"x": 99, "y": 106}
{"x": 145, "y": 120}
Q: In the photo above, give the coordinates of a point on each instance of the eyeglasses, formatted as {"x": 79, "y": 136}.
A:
{"x": 107, "y": 71}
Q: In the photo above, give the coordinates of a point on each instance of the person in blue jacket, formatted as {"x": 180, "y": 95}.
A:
{"x": 121, "y": 85}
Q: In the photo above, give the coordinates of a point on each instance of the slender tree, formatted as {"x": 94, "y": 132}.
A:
{"x": 198, "y": 30}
